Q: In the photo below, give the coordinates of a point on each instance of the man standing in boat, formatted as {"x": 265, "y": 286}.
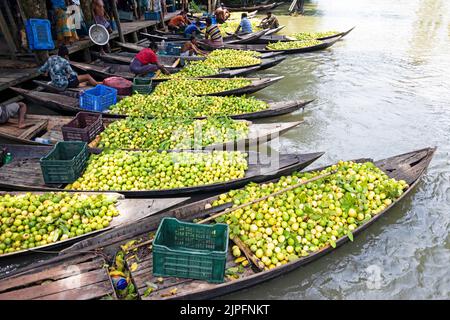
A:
{"x": 11, "y": 110}
{"x": 146, "y": 61}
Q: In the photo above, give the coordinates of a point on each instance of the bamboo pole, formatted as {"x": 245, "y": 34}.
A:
{"x": 116, "y": 18}
{"x": 8, "y": 37}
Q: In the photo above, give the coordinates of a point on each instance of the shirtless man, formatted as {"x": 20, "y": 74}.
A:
{"x": 190, "y": 48}
{"x": 221, "y": 14}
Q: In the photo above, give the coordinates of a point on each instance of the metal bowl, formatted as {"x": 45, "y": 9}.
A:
{"x": 98, "y": 34}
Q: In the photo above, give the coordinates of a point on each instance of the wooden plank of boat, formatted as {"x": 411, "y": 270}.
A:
{"x": 24, "y": 172}
{"x": 256, "y": 85}
{"x": 263, "y": 7}
{"x": 70, "y": 106}
{"x": 167, "y": 60}
{"x": 131, "y": 211}
{"x": 409, "y": 167}
{"x": 85, "y": 280}
{"x": 71, "y": 92}
{"x": 263, "y": 48}
{"x": 247, "y": 38}
{"x": 274, "y": 30}
{"x": 57, "y": 102}
{"x": 105, "y": 71}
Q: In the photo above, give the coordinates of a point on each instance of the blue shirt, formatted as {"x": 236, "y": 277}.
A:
{"x": 246, "y": 26}
{"x": 190, "y": 30}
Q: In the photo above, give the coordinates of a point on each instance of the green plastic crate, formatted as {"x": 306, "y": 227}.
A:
{"x": 189, "y": 250}
{"x": 65, "y": 163}
{"x": 142, "y": 85}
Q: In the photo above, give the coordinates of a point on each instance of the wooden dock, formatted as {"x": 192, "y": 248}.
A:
{"x": 24, "y": 71}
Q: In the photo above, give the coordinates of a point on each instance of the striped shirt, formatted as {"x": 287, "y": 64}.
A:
{"x": 213, "y": 32}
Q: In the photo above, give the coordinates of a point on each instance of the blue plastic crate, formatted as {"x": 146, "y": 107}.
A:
{"x": 173, "y": 49}
{"x": 152, "y": 15}
{"x": 98, "y": 99}
{"x": 39, "y": 34}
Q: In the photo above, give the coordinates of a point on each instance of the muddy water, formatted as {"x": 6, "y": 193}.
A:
{"x": 383, "y": 90}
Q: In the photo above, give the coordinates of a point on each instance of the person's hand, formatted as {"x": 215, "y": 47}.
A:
{"x": 164, "y": 70}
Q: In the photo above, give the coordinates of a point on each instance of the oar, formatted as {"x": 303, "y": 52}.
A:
{"x": 265, "y": 197}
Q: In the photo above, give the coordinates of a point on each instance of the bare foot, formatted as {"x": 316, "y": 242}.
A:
{"x": 25, "y": 125}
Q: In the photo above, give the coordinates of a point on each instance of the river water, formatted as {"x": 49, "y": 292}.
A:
{"x": 383, "y": 90}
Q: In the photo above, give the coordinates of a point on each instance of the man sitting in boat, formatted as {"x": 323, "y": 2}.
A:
{"x": 179, "y": 22}
{"x": 146, "y": 62}
{"x": 245, "y": 25}
{"x": 193, "y": 30}
{"x": 221, "y": 14}
{"x": 11, "y": 110}
{"x": 270, "y": 22}
{"x": 61, "y": 74}
{"x": 190, "y": 48}
{"x": 213, "y": 37}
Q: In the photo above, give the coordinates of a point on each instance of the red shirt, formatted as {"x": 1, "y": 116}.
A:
{"x": 146, "y": 56}
{"x": 178, "y": 21}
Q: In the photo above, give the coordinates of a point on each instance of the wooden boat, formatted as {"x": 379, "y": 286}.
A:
{"x": 67, "y": 105}
{"x": 136, "y": 48}
{"x": 24, "y": 173}
{"x": 272, "y": 31}
{"x": 247, "y": 38}
{"x": 49, "y": 127}
{"x": 95, "y": 282}
{"x": 256, "y": 85}
{"x": 260, "y": 7}
{"x": 123, "y": 58}
{"x": 263, "y": 47}
{"x": 131, "y": 211}
{"x": 104, "y": 70}
{"x": 268, "y": 38}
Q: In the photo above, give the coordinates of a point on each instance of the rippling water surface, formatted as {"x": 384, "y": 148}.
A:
{"x": 383, "y": 90}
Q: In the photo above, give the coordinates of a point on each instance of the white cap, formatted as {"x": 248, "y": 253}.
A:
{"x": 77, "y": 2}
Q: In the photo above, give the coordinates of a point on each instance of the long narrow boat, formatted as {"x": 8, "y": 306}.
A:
{"x": 263, "y": 47}
{"x": 67, "y": 105}
{"x": 240, "y": 39}
{"x": 95, "y": 282}
{"x": 136, "y": 48}
{"x": 268, "y": 38}
{"x": 49, "y": 127}
{"x": 126, "y": 57}
{"x": 24, "y": 173}
{"x": 105, "y": 70}
{"x": 260, "y": 7}
{"x": 256, "y": 85}
{"x": 131, "y": 211}
{"x": 273, "y": 31}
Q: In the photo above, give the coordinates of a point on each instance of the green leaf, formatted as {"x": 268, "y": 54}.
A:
{"x": 350, "y": 235}
{"x": 332, "y": 243}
